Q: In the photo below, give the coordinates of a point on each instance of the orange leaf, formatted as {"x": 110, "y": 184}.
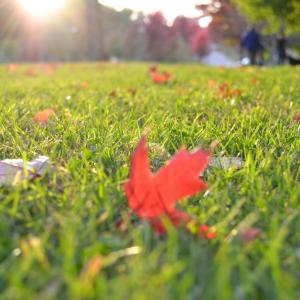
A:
{"x": 211, "y": 83}
{"x": 236, "y": 92}
{"x": 12, "y": 68}
{"x": 159, "y": 77}
{"x": 226, "y": 92}
{"x": 43, "y": 116}
{"x": 82, "y": 85}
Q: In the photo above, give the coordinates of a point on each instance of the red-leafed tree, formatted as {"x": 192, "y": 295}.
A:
{"x": 160, "y": 38}
{"x": 200, "y": 42}
{"x": 193, "y": 34}
{"x": 227, "y": 23}
{"x": 185, "y": 27}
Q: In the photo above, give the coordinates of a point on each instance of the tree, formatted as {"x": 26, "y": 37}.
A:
{"x": 185, "y": 27}
{"x": 197, "y": 38}
{"x": 10, "y": 30}
{"x": 115, "y": 26}
{"x": 200, "y": 42}
{"x": 134, "y": 45}
{"x": 276, "y": 12}
{"x": 227, "y": 24}
{"x": 160, "y": 38}
{"x": 94, "y": 30}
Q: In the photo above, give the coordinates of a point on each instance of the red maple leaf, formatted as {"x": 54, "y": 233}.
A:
{"x": 153, "y": 196}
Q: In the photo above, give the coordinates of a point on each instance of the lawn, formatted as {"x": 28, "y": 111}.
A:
{"x": 70, "y": 234}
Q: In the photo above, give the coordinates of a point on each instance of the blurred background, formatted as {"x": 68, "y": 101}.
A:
{"x": 209, "y": 31}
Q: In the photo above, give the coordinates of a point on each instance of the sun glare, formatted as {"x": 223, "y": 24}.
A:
{"x": 169, "y": 8}
{"x": 41, "y": 7}
{"x": 205, "y": 21}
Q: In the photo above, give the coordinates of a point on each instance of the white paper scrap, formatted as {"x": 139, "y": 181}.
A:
{"x": 12, "y": 169}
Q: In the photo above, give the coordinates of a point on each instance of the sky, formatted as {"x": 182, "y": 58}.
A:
{"x": 170, "y": 8}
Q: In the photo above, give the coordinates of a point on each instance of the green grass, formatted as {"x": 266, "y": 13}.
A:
{"x": 57, "y": 230}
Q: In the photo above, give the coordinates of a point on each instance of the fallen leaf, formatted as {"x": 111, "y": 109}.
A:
{"x": 250, "y": 235}
{"x": 132, "y": 91}
{"x": 154, "y": 196}
{"x": 236, "y": 92}
{"x": 10, "y": 169}
{"x": 159, "y": 77}
{"x": 211, "y": 83}
{"x": 206, "y": 232}
{"x": 95, "y": 264}
{"x": 31, "y": 72}
{"x": 91, "y": 269}
{"x": 43, "y": 116}
{"x": 81, "y": 85}
{"x": 297, "y": 117}
{"x": 167, "y": 75}
{"x": 226, "y": 92}
{"x": 214, "y": 144}
{"x": 113, "y": 94}
{"x": 153, "y": 68}
{"x": 48, "y": 69}
{"x": 12, "y": 68}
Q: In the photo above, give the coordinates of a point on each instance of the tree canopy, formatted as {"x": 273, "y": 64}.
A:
{"x": 275, "y": 12}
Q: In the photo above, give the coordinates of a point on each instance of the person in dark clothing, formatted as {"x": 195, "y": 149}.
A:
{"x": 293, "y": 60}
{"x": 251, "y": 42}
{"x": 281, "y": 47}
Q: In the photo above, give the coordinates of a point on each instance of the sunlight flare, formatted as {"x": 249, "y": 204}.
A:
{"x": 170, "y": 9}
{"x": 205, "y": 21}
{"x": 41, "y": 7}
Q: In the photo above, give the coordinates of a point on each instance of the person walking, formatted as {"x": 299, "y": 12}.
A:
{"x": 251, "y": 42}
{"x": 281, "y": 46}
